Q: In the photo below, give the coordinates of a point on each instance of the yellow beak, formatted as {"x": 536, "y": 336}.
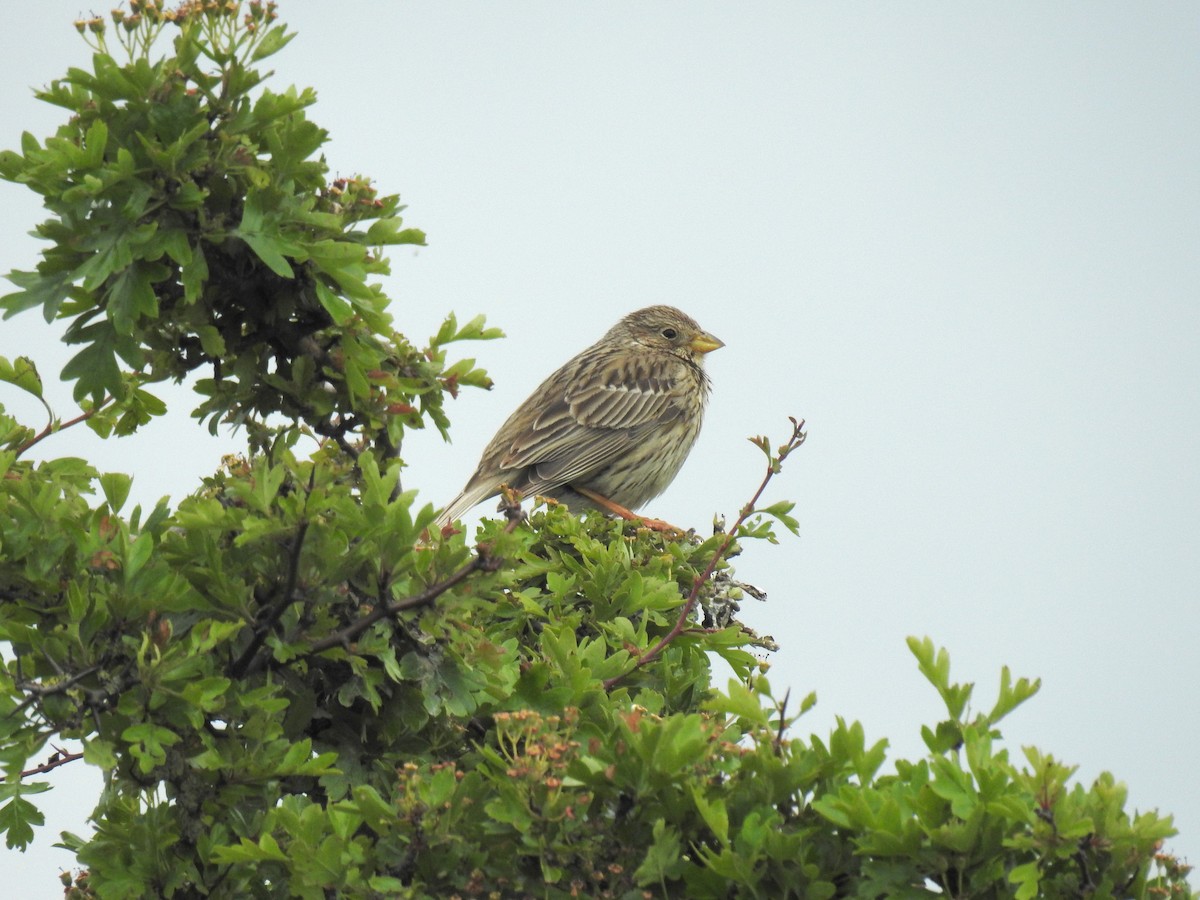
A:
{"x": 705, "y": 343}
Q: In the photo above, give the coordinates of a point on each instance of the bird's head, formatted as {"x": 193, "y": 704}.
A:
{"x": 665, "y": 328}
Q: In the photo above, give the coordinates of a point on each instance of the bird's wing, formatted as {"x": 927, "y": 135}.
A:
{"x": 606, "y": 408}
{"x": 626, "y": 392}
{"x": 594, "y": 450}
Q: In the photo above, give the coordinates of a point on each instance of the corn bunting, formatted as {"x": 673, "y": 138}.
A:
{"x": 611, "y": 428}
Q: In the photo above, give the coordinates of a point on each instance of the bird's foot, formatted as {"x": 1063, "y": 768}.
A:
{"x": 616, "y": 509}
{"x": 659, "y": 525}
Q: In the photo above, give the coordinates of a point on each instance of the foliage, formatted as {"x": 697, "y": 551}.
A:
{"x": 294, "y": 688}
{"x": 193, "y": 230}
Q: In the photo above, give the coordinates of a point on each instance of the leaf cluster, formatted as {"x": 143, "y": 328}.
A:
{"x": 195, "y": 230}
{"x": 296, "y": 688}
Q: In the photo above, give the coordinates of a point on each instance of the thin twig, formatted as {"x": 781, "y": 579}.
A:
{"x": 52, "y": 429}
{"x": 58, "y": 759}
{"x": 38, "y": 691}
{"x": 246, "y": 663}
{"x": 778, "y": 742}
{"x": 685, "y": 611}
{"x": 483, "y": 561}
{"x": 345, "y": 635}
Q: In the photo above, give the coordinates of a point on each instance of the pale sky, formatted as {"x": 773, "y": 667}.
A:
{"x": 960, "y": 240}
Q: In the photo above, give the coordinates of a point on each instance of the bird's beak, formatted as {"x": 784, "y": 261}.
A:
{"x": 705, "y": 343}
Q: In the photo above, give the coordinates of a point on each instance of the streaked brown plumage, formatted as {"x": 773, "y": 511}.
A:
{"x": 616, "y": 421}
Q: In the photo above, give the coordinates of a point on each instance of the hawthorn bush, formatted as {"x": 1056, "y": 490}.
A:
{"x": 294, "y": 688}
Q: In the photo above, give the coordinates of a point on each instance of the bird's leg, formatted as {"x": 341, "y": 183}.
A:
{"x": 616, "y": 509}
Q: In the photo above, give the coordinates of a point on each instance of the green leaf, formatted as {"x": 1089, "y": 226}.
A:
{"x": 953, "y": 784}
{"x": 509, "y": 812}
{"x": 12, "y": 165}
{"x": 780, "y": 511}
{"x": 714, "y": 813}
{"x": 247, "y": 851}
{"x": 332, "y": 252}
{"x": 663, "y": 858}
{"x": 193, "y": 275}
{"x": 440, "y": 787}
{"x": 935, "y": 666}
{"x": 390, "y": 231}
{"x": 116, "y": 489}
{"x": 446, "y": 332}
{"x": 339, "y": 310}
{"x": 738, "y": 700}
{"x": 261, "y": 233}
{"x": 211, "y": 341}
{"x": 270, "y": 251}
{"x": 131, "y": 296}
{"x": 376, "y": 811}
{"x": 207, "y": 693}
{"x": 271, "y": 43}
{"x": 1026, "y": 876}
{"x": 100, "y": 753}
{"x": 94, "y": 144}
{"x": 1011, "y": 695}
{"x": 147, "y": 743}
{"x": 45, "y": 290}
{"x": 17, "y": 820}
{"x": 95, "y": 366}
{"x": 139, "y": 554}
{"x": 22, "y": 373}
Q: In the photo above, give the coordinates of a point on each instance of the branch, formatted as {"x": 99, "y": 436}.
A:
{"x": 36, "y": 691}
{"x": 245, "y": 663}
{"x": 327, "y": 429}
{"x": 483, "y": 561}
{"x": 58, "y": 758}
{"x": 773, "y": 468}
{"x": 343, "y": 636}
{"x": 782, "y": 707}
{"x": 52, "y": 429}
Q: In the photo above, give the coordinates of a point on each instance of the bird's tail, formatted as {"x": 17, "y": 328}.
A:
{"x": 461, "y": 504}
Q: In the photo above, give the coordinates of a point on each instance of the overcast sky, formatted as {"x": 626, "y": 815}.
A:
{"x": 962, "y": 241}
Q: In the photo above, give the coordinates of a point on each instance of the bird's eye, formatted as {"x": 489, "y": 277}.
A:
{"x": 670, "y": 334}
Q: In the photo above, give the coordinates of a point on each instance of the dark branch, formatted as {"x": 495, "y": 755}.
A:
{"x": 247, "y": 663}
{"x": 37, "y": 691}
{"x": 778, "y": 742}
{"x": 58, "y": 758}
{"x": 483, "y": 561}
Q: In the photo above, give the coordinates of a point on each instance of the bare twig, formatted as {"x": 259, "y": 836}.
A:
{"x": 778, "y": 742}
{"x": 52, "y": 429}
{"x": 58, "y": 758}
{"x": 773, "y": 465}
{"x": 36, "y": 691}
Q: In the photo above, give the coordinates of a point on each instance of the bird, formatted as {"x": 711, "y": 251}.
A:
{"x": 611, "y": 428}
